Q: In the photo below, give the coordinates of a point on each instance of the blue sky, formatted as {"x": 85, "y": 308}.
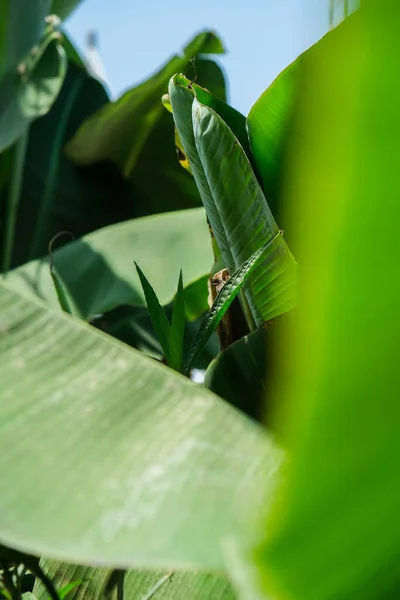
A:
{"x": 261, "y": 37}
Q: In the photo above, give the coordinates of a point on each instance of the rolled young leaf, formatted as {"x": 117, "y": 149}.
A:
{"x": 234, "y": 202}
{"x": 222, "y": 302}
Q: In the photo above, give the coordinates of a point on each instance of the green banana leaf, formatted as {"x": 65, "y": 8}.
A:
{"x": 119, "y": 131}
{"x": 235, "y": 204}
{"x": 245, "y": 373}
{"x": 30, "y": 92}
{"x": 238, "y": 374}
{"x": 63, "y": 8}
{"x": 98, "y": 273}
{"x": 181, "y": 99}
{"x": 137, "y": 135}
{"x": 137, "y": 585}
{"x": 334, "y": 532}
{"x": 157, "y": 181}
{"x": 120, "y": 461}
{"x": 56, "y": 195}
{"x": 22, "y": 26}
{"x": 62, "y": 196}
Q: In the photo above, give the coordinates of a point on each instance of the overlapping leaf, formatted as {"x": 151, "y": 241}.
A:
{"x": 98, "y": 272}
{"x": 30, "y": 92}
{"x": 145, "y": 467}
{"x": 334, "y": 533}
{"x": 22, "y": 25}
{"x": 119, "y": 131}
{"x": 234, "y": 201}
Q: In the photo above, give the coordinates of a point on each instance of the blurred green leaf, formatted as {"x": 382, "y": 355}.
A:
{"x": 179, "y": 586}
{"x": 206, "y": 42}
{"x": 63, "y": 8}
{"x": 120, "y": 129}
{"x": 268, "y": 129}
{"x": 137, "y": 134}
{"x": 56, "y": 195}
{"x": 98, "y": 271}
{"x": 71, "y": 51}
{"x": 131, "y": 454}
{"x": 21, "y": 27}
{"x": 334, "y": 532}
{"x": 30, "y": 92}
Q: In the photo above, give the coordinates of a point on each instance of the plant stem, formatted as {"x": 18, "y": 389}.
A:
{"x": 13, "y": 199}
{"x": 248, "y": 315}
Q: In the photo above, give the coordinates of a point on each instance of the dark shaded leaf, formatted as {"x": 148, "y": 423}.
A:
{"x": 120, "y": 129}
{"x": 63, "y": 8}
{"x": 56, "y": 194}
{"x": 238, "y": 374}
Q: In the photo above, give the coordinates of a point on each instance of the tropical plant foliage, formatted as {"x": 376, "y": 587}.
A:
{"x": 261, "y": 262}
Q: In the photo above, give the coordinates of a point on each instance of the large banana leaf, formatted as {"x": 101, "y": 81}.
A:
{"x": 98, "y": 272}
{"x": 137, "y": 585}
{"x": 235, "y": 204}
{"x": 335, "y": 531}
{"x": 111, "y": 458}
